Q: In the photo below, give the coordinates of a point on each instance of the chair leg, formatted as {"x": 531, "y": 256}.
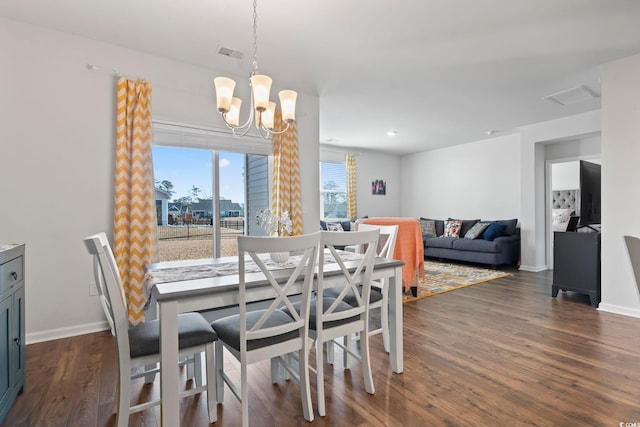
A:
{"x": 330, "y": 352}
{"x": 244, "y": 393}
{"x": 191, "y": 374}
{"x": 124, "y": 395}
{"x": 305, "y": 387}
{"x": 366, "y": 363}
{"x": 278, "y": 372}
{"x": 212, "y": 388}
{"x": 197, "y": 369}
{"x": 320, "y": 377}
{"x": 384, "y": 324}
{"x": 275, "y": 370}
{"x": 150, "y": 378}
{"x": 348, "y": 343}
{"x": 219, "y": 365}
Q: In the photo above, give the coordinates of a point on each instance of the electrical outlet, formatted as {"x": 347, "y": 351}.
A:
{"x": 93, "y": 289}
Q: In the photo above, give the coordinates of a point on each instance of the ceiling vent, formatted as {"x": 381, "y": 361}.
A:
{"x": 230, "y": 52}
{"x": 572, "y": 96}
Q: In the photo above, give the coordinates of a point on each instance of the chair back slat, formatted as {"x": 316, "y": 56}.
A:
{"x": 102, "y": 293}
{"x": 257, "y": 249}
{"x": 361, "y": 275}
{"x": 387, "y": 241}
{"x": 107, "y": 277}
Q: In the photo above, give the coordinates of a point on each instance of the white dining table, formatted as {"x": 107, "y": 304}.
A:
{"x": 192, "y": 292}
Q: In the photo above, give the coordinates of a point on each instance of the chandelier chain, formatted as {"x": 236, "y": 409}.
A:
{"x": 255, "y": 37}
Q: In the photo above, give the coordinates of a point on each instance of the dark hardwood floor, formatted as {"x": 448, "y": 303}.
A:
{"x": 501, "y": 353}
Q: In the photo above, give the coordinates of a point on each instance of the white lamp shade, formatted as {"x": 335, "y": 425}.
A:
{"x": 261, "y": 86}
{"x": 224, "y": 92}
{"x": 288, "y": 104}
{"x": 233, "y": 115}
{"x": 268, "y": 116}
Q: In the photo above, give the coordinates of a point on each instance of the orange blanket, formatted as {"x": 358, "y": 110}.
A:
{"x": 409, "y": 247}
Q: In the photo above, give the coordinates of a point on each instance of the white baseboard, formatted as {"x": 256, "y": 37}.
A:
{"x": 54, "y": 334}
{"x": 533, "y": 269}
{"x": 618, "y": 309}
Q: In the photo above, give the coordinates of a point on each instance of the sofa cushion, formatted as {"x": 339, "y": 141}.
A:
{"x": 477, "y": 245}
{"x": 439, "y": 225}
{"x": 466, "y": 225}
{"x": 439, "y": 242}
{"x": 428, "y": 227}
{"x": 452, "y": 228}
{"x": 510, "y": 226}
{"x": 495, "y": 229}
{"x": 476, "y": 231}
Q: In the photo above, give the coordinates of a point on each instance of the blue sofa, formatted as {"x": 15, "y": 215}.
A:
{"x": 504, "y": 249}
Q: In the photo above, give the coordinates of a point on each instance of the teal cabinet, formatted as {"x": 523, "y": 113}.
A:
{"x": 12, "y": 348}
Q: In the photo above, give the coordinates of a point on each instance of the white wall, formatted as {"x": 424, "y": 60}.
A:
{"x": 475, "y": 180}
{"x": 565, "y": 176}
{"x": 585, "y": 147}
{"x": 620, "y": 178}
{"x": 371, "y": 165}
{"x": 533, "y": 179}
{"x": 57, "y": 149}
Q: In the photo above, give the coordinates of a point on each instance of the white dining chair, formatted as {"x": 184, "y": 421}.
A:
{"x": 139, "y": 346}
{"x": 192, "y": 362}
{"x": 332, "y": 317}
{"x": 379, "y": 298}
{"x": 261, "y": 335}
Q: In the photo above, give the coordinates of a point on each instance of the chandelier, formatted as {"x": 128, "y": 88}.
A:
{"x": 262, "y": 109}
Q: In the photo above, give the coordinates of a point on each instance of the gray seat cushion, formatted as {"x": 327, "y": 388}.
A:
{"x": 228, "y": 329}
{"x": 350, "y": 298}
{"x": 477, "y": 245}
{"x": 439, "y": 242}
{"x": 193, "y": 329}
{"x": 326, "y": 303}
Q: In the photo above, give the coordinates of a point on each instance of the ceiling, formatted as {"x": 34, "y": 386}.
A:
{"x": 438, "y": 72}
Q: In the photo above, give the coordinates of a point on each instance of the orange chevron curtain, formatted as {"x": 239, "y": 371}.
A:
{"x": 135, "y": 238}
{"x": 286, "y": 195}
{"x": 352, "y": 198}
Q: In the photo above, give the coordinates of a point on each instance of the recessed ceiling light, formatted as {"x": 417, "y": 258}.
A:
{"x": 392, "y": 133}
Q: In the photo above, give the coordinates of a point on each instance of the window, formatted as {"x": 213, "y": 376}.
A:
{"x": 333, "y": 190}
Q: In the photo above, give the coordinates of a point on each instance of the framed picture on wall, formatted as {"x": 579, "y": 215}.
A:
{"x": 378, "y": 187}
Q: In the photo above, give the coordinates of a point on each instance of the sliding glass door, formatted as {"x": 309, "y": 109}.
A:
{"x": 206, "y": 198}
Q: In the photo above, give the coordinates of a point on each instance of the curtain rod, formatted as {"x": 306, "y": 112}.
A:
{"x": 113, "y": 72}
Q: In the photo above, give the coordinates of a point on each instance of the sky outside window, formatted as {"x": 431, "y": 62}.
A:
{"x": 188, "y": 167}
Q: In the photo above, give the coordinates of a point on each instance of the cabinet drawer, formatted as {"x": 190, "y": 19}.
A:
{"x": 11, "y": 272}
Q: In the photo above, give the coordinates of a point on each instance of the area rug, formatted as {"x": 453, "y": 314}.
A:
{"x": 442, "y": 277}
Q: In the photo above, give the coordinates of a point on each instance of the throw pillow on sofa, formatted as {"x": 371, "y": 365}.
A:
{"x": 439, "y": 225}
{"x": 334, "y": 226}
{"x": 495, "y": 229}
{"x": 428, "y": 227}
{"x": 510, "y": 226}
{"x": 466, "y": 224}
{"x": 477, "y": 230}
{"x": 452, "y": 228}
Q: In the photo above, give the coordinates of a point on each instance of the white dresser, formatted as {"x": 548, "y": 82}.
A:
{"x": 12, "y": 347}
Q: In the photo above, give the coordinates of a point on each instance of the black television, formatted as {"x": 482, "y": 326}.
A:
{"x": 589, "y": 194}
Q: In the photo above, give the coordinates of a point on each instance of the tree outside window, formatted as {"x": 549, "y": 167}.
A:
{"x": 333, "y": 190}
